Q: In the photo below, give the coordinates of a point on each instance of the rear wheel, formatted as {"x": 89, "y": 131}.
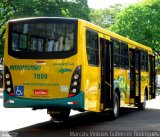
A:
{"x": 59, "y": 114}
{"x": 115, "y": 111}
{"x": 142, "y": 106}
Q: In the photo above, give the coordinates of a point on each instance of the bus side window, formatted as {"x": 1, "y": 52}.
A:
{"x": 116, "y": 50}
{"x": 92, "y": 47}
{"x": 144, "y": 61}
{"x": 121, "y": 57}
{"x": 136, "y": 60}
{"x": 124, "y": 56}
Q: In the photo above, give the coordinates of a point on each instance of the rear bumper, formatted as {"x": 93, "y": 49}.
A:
{"x": 76, "y": 102}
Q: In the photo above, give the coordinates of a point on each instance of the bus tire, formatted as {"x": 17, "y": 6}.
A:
{"x": 142, "y": 106}
{"x": 59, "y": 114}
{"x": 116, "y": 106}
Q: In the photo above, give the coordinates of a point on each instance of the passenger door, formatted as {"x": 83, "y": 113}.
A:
{"x": 135, "y": 75}
{"x": 152, "y": 74}
{"x": 106, "y": 51}
{"x": 132, "y": 75}
{"x": 92, "y": 71}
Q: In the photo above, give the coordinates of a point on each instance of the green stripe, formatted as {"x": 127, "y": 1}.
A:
{"x": 44, "y": 103}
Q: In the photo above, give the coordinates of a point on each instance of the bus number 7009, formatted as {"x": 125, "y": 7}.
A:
{"x": 40, "y": 76}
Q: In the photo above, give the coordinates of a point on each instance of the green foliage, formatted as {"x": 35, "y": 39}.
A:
{"x": 60, "y": 8}
{"x": 105, "y": 17}
{"x": 10, "y": 9}
{"x": 140, "y": 22}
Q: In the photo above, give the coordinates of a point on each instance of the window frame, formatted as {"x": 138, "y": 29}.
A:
{"x": 44, "y": 55}
{"x": 144, "y": 60}
{"x": 96, "y": 50}
{"x": 121, "y": 55}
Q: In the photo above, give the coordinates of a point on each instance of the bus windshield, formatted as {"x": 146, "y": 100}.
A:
{"x": 40, "y": 38}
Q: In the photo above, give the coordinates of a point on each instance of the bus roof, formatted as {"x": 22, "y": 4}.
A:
{"x": 117, "y": 36}
{"x": 39, "y": 18}
{"x": 104, "y": 31}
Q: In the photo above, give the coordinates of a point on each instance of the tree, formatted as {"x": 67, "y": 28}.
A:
{"x": 140, "y": 22}
{"x": 105, "y": 17}
{"x": 10, "y": 9}
{"x": 60, "y": 8}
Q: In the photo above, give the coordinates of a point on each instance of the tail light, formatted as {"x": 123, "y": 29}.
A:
{"x": 8, "y": 82}
{"x": 75, "y": 82}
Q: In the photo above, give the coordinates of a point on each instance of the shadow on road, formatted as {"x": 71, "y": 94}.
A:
{"x": 130, "y": 119}
{"x": 83, "y": 119}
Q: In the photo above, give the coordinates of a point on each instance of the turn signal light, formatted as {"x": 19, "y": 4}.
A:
{"x": 75, "y": 82}
{"x": 8, "y": 82}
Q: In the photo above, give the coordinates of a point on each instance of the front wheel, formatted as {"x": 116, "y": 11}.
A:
{"x": 116, "y": 105}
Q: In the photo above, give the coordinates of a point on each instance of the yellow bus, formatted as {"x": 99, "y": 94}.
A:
{"x": 61, "y": 64}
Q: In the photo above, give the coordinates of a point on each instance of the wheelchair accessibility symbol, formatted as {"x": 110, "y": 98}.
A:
{"x": 19, "y": 90}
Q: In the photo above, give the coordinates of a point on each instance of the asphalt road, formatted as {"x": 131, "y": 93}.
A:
{"x": 132, "y": 122}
